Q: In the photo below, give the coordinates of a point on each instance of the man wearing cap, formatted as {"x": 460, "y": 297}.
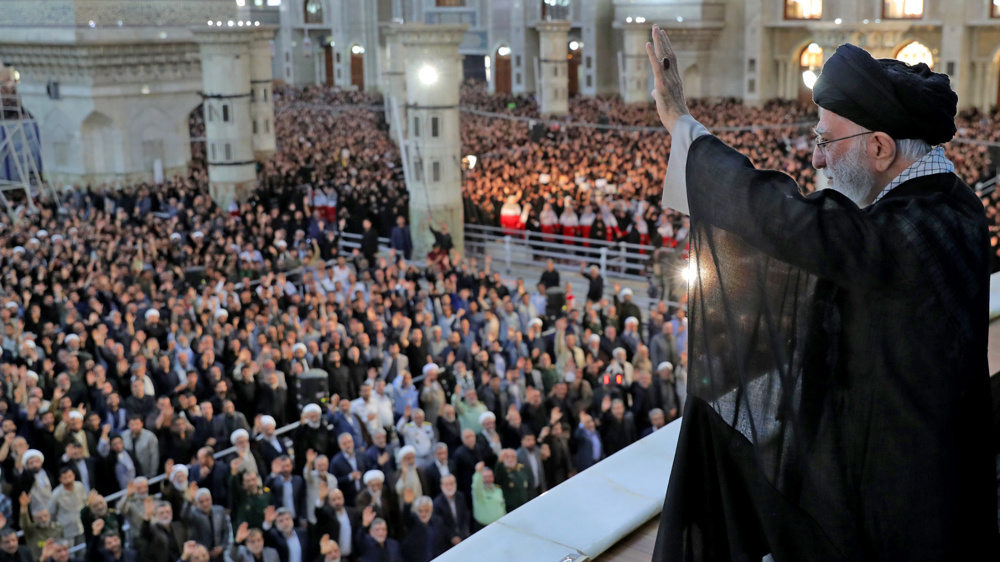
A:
{"x": 418, "y": 433}
{"x": 859, "y": 438}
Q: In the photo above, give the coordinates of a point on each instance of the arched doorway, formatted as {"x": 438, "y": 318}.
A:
{"x": 328, "y": 62}
{"x": 573, "y": 68}
{"x": 358, "y": 66}
{"x": 810, "y": 63}
{"x": 98, "y": 141}
{"x": 915, "y": 52}
{"x": 501, "y": 70}
{"x": 313, "y": 12}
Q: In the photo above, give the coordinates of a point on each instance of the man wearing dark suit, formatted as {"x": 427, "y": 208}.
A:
{"x": 426, "y": 535}
{"x": 287, "y": 490}
{"x": 438, "y": 468}
{"x": 338, "y": 521}
{"x": 211, "y": 475}
{"x": 589, "y": 449}
{"x": 344, "y": 421}
{"x": 161, "y": 538}
{"x": 348, "y": 467}
{"x": 10, "y": 551}
{"x": 451, "y": 507}
{"x": 207, "y": 524}
{"x": 291, "y": 543}
{"x": 530, "y": 455}
{"x": 466, "y": 458}
{"x": 85, "y": 469}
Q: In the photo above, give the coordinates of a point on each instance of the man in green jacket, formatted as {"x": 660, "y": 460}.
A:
{"x": 249, "y": 499}
{"x": 487, "y": 499}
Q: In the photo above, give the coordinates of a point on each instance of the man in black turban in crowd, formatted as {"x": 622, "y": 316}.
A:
{"x": 837, "y": 372}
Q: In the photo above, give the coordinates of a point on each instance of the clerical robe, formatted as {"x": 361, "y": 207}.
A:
{"x": 838, "y": 376}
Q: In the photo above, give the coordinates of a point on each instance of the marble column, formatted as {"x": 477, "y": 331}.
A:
{"x": 635, "y": 62}
{"x": 262, "y": 96}
{"x": 394, "y": 79}
{"x": 433, "y": 146}
{"x": 553, "y": 38}
{"x": 225, "y": 70}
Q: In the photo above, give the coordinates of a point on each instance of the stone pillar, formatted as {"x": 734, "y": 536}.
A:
{"x": 955, "y": 57}
{"x": 394, "y": 78}
{"x": 635, "y": 62}
{"x": 433, "y": 147}
{"x": 225, "y": 71}
{"x": 262, "y": 95}
{"x": 553, "y": 50}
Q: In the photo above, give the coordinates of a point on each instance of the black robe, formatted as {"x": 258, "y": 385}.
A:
{"x": 838, "y": 381}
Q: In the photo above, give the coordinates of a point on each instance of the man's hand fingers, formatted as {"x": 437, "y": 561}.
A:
{"x": 666, "y": 49}
{"x": 654, "y": 61}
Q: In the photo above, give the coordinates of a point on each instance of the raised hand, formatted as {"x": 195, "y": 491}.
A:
{"x": 242, "y": 532}
{"x": 97, "y": 527}
{"x": 367, "y": 516}
{"x": 325, "y": 545}
{"x": 669, "y": 91}
{"x": 408, "y": 495}
{"x": 270, "y": 514}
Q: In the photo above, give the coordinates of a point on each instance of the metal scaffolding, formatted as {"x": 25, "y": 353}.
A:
{"x": 20, "y": 152}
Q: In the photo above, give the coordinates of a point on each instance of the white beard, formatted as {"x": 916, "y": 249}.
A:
{"x": 851, "y": 175}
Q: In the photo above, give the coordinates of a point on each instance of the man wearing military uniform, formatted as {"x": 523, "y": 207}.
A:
{"x": 514, "y": 479}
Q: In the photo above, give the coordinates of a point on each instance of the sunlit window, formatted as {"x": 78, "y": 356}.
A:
{"x": 915, "y": 53}
{"x": 995, "y": 9}
{"x": 803, "y": 9}
{"x": 314, "y": 11}
{"x": 903, "y": 9}
{"x": 810, "y": 62}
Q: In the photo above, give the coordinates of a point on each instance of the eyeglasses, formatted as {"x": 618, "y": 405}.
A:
{"x": 821, "y": 144}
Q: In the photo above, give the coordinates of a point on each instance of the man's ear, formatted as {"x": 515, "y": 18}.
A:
{"x": 881, "y": 151}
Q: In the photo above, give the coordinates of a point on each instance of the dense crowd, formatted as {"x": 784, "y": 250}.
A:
{"x": 146, "y": 330}
{"x": 605, "y": 183}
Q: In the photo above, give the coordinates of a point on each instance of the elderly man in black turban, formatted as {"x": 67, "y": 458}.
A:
{"x": 837, "y": 372}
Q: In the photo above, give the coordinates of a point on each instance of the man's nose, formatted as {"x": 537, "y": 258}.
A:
{"x": 818, "y": 158}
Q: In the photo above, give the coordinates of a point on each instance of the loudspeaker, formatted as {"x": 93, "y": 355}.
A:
{"x": 52, "y": 89}
{"x": 555, "y": 301}
{"x": 313, "y": 387}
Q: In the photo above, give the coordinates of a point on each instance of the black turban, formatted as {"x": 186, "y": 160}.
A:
{"x": 903, "y": 101}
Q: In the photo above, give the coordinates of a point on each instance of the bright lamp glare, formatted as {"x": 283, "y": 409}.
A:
{"x": 428, "y": 75}
{"x": 809, "y": 79}
{"x": 471, "y": 159}
{"x": 688, "y": 273}
{"x": 241, "y": 3}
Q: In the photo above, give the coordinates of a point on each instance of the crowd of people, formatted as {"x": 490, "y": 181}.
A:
{"x": 145, "y": 330}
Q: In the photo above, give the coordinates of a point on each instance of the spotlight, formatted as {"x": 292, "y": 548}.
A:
{"x": 428, "y": 75}
{"x": 688, "y": 273}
